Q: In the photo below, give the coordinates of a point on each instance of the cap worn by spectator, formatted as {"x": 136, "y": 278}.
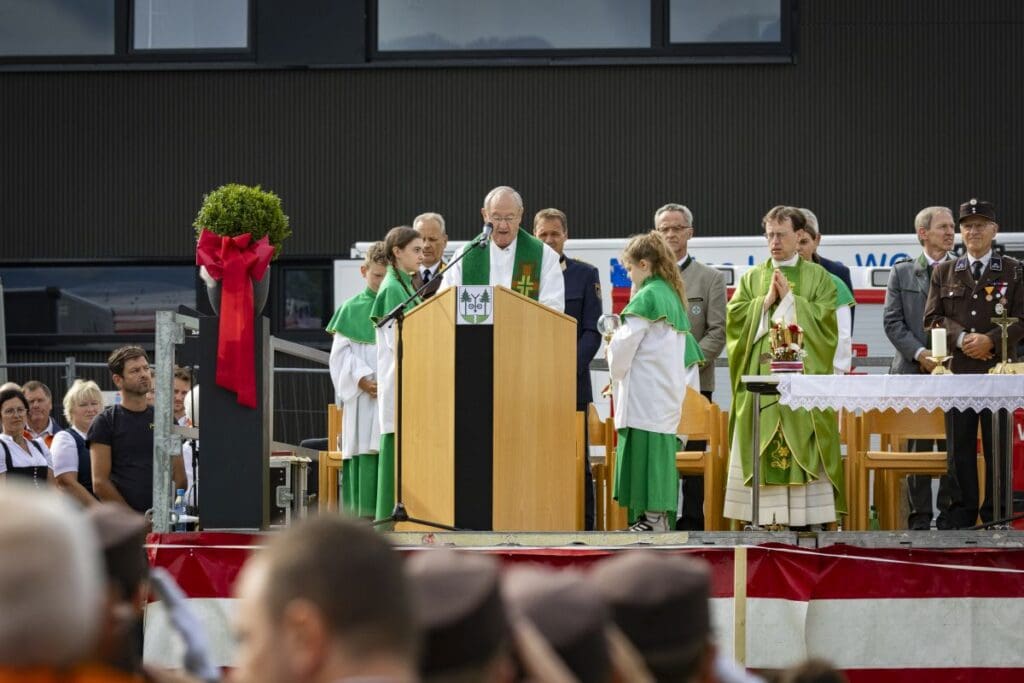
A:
{"x": 661, "y": 603}
{"x": 566, "y": 612}
{"x": 457, "y": 602}
{"x": 977, "y": 207}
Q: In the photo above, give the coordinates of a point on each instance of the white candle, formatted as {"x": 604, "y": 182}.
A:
{"x": 938, "y": 342}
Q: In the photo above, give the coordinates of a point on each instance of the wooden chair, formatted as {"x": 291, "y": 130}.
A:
{"x": 893, "y": 429}
{"x": 602, "y": 433}
{"x": 599, "y": 470}
{"x": 330, "y": 462}
{"x": 701, "y": 421}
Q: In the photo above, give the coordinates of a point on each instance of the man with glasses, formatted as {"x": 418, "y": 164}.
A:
{"x": 903, "y": 319}
{"x": 800, "y": 467}
{"x": 705, "y": 307}
{"x": 514, "y": 258}
{"x": 963, "y": 297}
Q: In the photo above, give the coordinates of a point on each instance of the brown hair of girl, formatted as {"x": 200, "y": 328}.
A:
{"x": 651, "y": 247}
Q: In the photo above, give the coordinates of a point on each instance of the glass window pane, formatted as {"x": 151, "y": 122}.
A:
{"x": 190, "y": 24}
{"x": 304, "y": 299}
{"x": 725, "y": 21}
{"x": 93, "y": 299}
{"x": 56, "y": 27}
{"x": 415, "y": 25}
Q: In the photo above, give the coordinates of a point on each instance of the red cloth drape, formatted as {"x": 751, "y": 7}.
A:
{"x": 235, "y": 262}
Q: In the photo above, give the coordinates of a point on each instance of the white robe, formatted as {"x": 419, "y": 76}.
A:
{"x": 360, "y": 424}
{"x": 843, "y": 359}
{"x": 386, "y": 340}
{"x": 503, "y": 261}
{"x": 649, "y": 376}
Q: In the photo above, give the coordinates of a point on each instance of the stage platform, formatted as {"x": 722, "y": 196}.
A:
{"x": 883, "y": 606}
{"x": 1010, "y": 538}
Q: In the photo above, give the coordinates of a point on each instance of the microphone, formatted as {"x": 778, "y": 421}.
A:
{"x": 485, "y": 236}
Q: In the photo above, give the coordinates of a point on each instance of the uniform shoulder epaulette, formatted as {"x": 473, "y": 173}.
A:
{"x": 582, "y": 262}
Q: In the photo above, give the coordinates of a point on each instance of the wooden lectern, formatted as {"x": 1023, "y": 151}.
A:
{"x": 488, "y": 414}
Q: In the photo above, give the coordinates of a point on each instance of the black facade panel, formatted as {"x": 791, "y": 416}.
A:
{"x": 891, "y": 106}
{"x": 310, "y": 32}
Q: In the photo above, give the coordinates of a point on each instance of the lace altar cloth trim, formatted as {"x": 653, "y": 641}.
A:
{"x": 902, "y": 392}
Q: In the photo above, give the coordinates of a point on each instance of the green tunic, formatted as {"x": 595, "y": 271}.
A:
{"x": 394, "y": 289}
{"x": 795, "y": 445}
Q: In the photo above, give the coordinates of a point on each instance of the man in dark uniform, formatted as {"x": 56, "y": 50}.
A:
{"x": 963, "y": 297}
{"x": 583, "y": 302}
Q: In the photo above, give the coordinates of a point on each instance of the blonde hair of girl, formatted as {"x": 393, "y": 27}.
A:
{"x": 651, "y": 247}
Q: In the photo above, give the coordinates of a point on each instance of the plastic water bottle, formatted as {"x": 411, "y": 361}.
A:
{"x": 873, "y": 524}
{"x": 179, "y": 509}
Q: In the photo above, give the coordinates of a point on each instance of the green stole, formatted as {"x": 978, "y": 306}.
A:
{"x": 657, "y": 300}
{"x": 394, "y": 289}
{"x": 352, "y": 319}
{"x": 795, "y": 445}
{"x": 844, "y": 297}
{"x": 476, "y": 265}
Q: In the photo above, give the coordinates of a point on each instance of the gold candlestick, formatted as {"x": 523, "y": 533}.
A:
{"x": 940, "y": 364}
{"x": 1004, "y": 322}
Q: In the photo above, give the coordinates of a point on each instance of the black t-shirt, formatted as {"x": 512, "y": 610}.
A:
{"x": 130, "y": 437}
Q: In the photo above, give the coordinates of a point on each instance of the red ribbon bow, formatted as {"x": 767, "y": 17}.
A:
{"x": 235, "y": 262}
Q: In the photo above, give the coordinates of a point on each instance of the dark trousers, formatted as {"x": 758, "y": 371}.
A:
{"x": 589, "y": 507}
{"x": 919, "y": 490}
{"x": 692, "y": 518}
{"x": 962, "y": 433}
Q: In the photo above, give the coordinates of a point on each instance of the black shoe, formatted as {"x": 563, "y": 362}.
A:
{"x": 689, "y": 524}
{"x": 919, "y": 523}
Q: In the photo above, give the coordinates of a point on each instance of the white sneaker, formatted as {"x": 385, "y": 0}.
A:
{"x": 649, "y": 522}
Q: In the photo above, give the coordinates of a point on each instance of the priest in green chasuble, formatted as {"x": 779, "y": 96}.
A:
{"x": 800, "y": 465}
{"x": 513, "y": 258}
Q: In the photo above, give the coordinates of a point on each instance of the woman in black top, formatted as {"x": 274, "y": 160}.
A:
{"x": 25, "y": 459}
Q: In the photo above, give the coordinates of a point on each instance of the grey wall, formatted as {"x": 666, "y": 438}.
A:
{"x": 889, "y": 107}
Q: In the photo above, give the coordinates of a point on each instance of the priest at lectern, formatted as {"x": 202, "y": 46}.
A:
{"x": 514, "y": 258}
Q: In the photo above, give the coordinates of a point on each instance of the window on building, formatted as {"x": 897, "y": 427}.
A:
{"x": 499, "y": 26}
{"x": 190, "y": 24}
{"x": 304, "y": 302}
{"x": 725, "y": 21}
{"x": 34, "y": 28}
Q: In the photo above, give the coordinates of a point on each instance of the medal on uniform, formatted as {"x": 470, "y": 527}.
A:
{"x": 988, "y": 292}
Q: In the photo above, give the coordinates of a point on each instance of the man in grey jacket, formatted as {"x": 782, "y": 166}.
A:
{"x": 705, "y": 306}
{"x": 904, "y": 326}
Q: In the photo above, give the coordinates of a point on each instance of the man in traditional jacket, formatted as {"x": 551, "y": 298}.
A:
{"x": 801, "y": 470}
{"x": 963, "y": 298}
{"x": 514, "y": 258}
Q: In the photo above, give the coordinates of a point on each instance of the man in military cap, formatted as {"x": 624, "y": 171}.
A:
{"x": 583, "y": 302}
{"x": 705, "y": 307}
{"x": 456, "y": 599}
{"x": 903, "y": 319}
{"x": 662, "y": 604}
{"x": 964, "y": 296}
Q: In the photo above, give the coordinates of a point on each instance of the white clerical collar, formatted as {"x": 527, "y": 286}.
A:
{"x": 788, "y": 262}
{"x": 511, "y": 245}
{"x": 984, "y": 259}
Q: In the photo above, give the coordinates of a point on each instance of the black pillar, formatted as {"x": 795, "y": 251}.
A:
{"x": 234, "y": 471}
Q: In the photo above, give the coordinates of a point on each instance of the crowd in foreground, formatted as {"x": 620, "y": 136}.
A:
{"x": 330, "y": 600}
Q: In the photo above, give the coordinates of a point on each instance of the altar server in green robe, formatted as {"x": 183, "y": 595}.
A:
{"x": 652, "y": 358}
{"x": 404, "y": 248}
{"x": 353, "y": 366}
{"x": 801, "y": 470}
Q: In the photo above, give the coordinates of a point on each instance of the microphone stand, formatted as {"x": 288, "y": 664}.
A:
{"x": 399, "y": 513}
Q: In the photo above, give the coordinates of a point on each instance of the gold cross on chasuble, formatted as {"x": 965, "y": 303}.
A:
{"x": 525, "y": 284}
